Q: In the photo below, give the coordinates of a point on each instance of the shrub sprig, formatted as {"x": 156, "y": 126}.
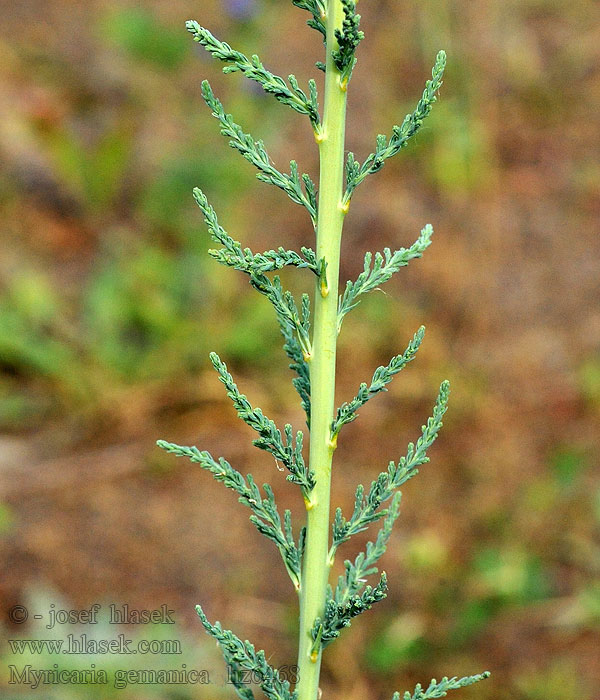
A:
{"x": 348, "y": 38}
{"x": 288, "y": 93}
{"x": 382, "y": 376}
{"x": 383, "y": 267}
{"x": 299, "y": 188}
{"x": 324, "y": 611}
{"x": 242, "y": 656}
{"x": 265, "y": 515}
{"x": 387, "y": 148}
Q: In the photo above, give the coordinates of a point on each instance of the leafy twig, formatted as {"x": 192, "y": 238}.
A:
{"x": 384, "y": 266}
{"x": 366, "y": 508}
{"x": 347, "y": 412}
{"x": 363, "y": 565}
{"x": 338, "y": 616}
{"x": 270, "y": 439}
{"x": 255, "y": 153}
{"x": 291, "y": 95}
{"x": 243, "y": 259}
{"x": 265, "y": 516}
{"x": 385, "y": 148}
{"x": 318, "y": 10}
{"x": 294, "y": 326}
{"x": 242, "y": 656}
{"x": 439, "y": 690}
{"x": 348, "y": 38}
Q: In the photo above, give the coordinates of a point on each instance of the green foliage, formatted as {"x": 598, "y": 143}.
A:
{"x": 255, "y": 153}
{"x": 265, "y": 516}
{"x": 270, "y": 440}
{"x": 347, "y": 601}
{"x": 356, "y": 572}
{"x": 337, "y": 616}
{"x": 318, "y": 10}
{"x": 291, "y": 95}
{"x": 346, "y": 413}
{"x": 386, "y": 148}
{"x": 244, "y": 260}
{"x": 366, "y": 507}
{"x": 440, "y": 690}
{"x": 348, "y": 38}
{"x": 384, "y": 266}
{"x": 325, "y": 612}
{"x": 241, "y": 656}
{"x": 293, "y": 323}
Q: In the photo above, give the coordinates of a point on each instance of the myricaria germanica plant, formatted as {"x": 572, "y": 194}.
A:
{"x": 310, "y": 329}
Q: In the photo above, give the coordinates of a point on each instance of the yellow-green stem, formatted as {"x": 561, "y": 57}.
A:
{"x": 315, "y": 570}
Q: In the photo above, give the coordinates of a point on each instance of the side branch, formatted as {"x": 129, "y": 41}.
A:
{"x": 338, "y": 616}
{"x": 242, "y": 656}
{"x": 270, "y": 439}
{"x": 353, "y": 580}
{"x": 318, "y": 10}
{"x": 347, "y": 412}
{"x": 293, "y": 324}
{"x": 291, "y": 95}
{"x": 243, "y": 259}
{"x": 297, "y": 356}
{"x": 366, "y": 507}
{"x": 349, "y": 598}
{"x": 255, "y": 266}
{"x": 439, "y": 690}
{"x": 386, "y": 148}
{"x": 384, "y": 266}
{"x": 265, "y": 516}
{"x": 255, "y": 153}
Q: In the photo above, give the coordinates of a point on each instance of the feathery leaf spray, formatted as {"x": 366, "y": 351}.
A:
{"x": 308, "y": 557}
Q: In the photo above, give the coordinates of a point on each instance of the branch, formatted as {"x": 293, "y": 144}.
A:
{"x": 293, "y": 350}
{"x": 348, "y": 38}
{"x": 439, "y": 690}
{"x": 286, "y": 310}
{"x": 294, "y": 326}
{"x": 366, "y": 508}
{"x": 347, "y": 412}
{"x": 356, "y": 572}
{"x": 318, "y": 10}
{"x": 270, "y": 438}
{"x": 383, "y": 268}
{"x": 385, "y": 148}
{"x": 255, "y": 153}
{"x": 291, "y": 95}
{"x": 265, "y": 516}
{"x": 338, "y": 616}
{"x": 232, "y": 255}
{"x": 242, "y": 656}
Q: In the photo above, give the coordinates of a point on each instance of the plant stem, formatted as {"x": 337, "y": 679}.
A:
{"x": 315, "y": 571}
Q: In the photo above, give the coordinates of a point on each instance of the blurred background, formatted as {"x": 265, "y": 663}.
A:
{"x": 109, "y": 305}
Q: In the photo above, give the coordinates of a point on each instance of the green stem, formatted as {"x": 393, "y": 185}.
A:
{"x": 315, "y": 572}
